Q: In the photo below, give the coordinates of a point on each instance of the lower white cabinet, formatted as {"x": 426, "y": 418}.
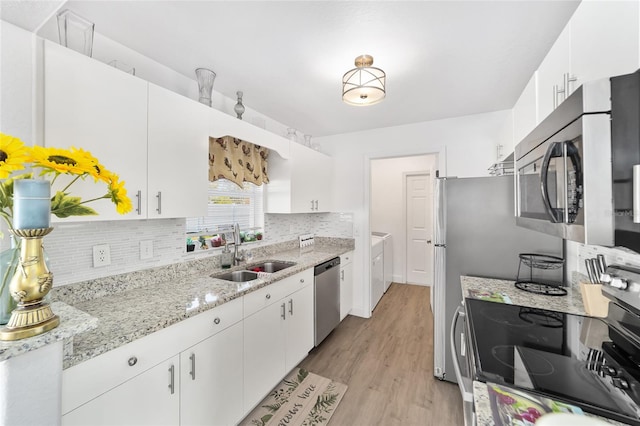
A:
{"x": 151, "y": 398}
{"x": 346, "y": 284}
{"x": 278, "y": 336}
{"x": 211, "y": 380}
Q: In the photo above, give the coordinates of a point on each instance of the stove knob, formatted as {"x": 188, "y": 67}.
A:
{"x": 608, "y": 370}
{"x": 620, "y": 283}
{"x": 620, "y": 383}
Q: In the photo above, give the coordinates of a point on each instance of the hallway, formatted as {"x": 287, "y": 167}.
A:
{"x": 387, "y": 362}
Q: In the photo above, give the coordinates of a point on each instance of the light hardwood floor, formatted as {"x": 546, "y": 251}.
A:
{"x": 387, "y": 362}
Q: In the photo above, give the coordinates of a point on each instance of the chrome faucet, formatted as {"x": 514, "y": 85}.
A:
{"x": 236, "y": 242}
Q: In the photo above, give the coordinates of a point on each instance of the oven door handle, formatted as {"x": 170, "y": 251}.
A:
{"x": 554, "y": 151}
{"x": 465, "y": 383}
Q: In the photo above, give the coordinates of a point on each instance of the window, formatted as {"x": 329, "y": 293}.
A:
{"x": 229, "y": 204}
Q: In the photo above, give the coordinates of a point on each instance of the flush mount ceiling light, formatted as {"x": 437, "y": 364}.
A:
{"x": 363, "y": 85}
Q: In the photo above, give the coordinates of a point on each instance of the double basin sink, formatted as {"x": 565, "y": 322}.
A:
{"x": 251, "y": 271}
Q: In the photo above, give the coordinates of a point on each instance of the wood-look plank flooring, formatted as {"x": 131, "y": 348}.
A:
{"x": 387, "y": 362}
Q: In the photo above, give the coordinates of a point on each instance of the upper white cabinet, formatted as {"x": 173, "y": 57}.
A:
{"x": 300, "y": 184}
{"x": 98, "y": 108}
{"x": 178, "y": 155}
{"x": 604, "y": 40}
{"x": 525, "y": 114}
{"x": 154, "y": 139}
{"x": 552, "y": 72}
{"x": 601, "y": 40}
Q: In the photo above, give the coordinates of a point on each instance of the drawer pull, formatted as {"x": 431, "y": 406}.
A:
{"x": 301, "y": 280}
{"x": 192, "y": 373}
{"x": 284, "y": 311}
{"x": 132, "y": 361}
{"x": 268, "y": 296}
{"x": 216, "y": 321}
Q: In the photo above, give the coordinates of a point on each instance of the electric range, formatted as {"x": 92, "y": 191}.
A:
{"x": 589, "y": 362}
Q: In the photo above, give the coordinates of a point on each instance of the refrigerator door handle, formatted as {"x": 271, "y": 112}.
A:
{"x": 465, "y": 383}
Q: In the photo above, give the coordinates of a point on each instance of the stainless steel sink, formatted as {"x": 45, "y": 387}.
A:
{"x": 237, "y": 276}
{"x": 270, "y": 266}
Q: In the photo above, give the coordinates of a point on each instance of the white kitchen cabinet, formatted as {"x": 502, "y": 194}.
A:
{"x": 103, "y": 110}
{"x": 300, "y": 184}
{"x": 600, "y": 40}
{"x": 551, "y": 73}
{"x": 211, "y": 380}
{"x": 278, "y": 335}
{"x": 346, "y": 284}
{"x": 151, "y": 398}
{"x": 156, "y": 140}
{"x": 299, "y": 326}
{"x": 604, "y": 40}
{"x": 525, "y": 114}
{"x": 178, "y": 155}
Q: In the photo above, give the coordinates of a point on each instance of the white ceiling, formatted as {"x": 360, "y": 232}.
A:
{"x": 442, "y": 58}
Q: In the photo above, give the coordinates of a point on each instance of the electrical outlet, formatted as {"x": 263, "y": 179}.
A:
{"x": 146, "y": 249}
{"x": 101, "y": 255}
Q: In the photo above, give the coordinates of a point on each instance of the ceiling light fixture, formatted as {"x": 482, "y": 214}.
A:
{"x": 364, "y": 85}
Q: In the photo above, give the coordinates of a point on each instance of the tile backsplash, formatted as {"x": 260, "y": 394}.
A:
{"x": 612, "y": 255}
{"x": 69, "y": 246}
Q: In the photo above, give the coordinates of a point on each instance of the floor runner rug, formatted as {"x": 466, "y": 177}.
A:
{"x": 301, "y": 399}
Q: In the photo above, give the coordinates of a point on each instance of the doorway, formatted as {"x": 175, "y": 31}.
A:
{"x": 388, "y": 210}
{"x": 418, "y": 190}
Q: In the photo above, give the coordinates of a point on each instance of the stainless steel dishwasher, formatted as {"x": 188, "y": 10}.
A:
{"x": 327, "y": 298}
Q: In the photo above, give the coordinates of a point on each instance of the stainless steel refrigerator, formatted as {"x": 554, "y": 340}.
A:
{"x": 475, "y": 234}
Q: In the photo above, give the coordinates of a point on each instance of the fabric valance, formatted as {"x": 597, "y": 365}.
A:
{"x": 237, "y": 160}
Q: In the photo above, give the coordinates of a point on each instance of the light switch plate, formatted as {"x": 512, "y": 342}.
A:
{"x": 101, "y": 255}
{"x": 146, "y": 249}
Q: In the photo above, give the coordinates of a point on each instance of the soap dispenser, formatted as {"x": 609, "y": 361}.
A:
{"x": 226, "y": 257}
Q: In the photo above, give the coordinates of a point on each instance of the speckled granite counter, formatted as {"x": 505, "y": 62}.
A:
{"x": 130, "y": 314}
{"x": 72, "y": 322}
{"x": 496, "y": 290}
{"x": 571, "y": 303}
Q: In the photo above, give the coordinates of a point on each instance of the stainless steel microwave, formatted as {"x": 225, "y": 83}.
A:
{"x": 574, "y": 171}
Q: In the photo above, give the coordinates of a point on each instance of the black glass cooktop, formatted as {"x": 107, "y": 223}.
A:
{"x": 575, "y": 359}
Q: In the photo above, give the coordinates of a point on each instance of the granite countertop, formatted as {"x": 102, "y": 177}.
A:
{"x": 504, "y": 291}
{"x": 131, "y": 314}
{"x": 72, "y": 322}
{"x": 99, "y": 316}
{"x": 495, "y": 289}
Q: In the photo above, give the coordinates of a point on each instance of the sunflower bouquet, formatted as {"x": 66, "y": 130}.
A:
{"x": 52, "y": 163}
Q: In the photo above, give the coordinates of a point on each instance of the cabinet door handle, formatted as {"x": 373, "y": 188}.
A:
{"x": 159, "y": 197}
{"x": 172, "y": 387}
{"x": 139, "y": 198}
{"x": 216, "y": 321}
{"x": 316, "y": 205}
{"x": 568, "y": 78}
{"x": 192, "y": 373}
{"x": 284, "y": 311}
{"x": 291, "y": 307}
{"x": 301, "y": 280}
{"x": 311, "y": 204}
{"x": 132, "y": 361}
{"x": 342, "y": 275}
{"x": 268, "y": 296}
{"x": 556, "y": 91}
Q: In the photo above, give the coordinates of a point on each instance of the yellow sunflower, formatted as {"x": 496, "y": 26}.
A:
{"x": 13, "y": 155}
{"x": 118, "y": 195}
{"x": 60, "y": 161}
{"x": 98, "y": 171}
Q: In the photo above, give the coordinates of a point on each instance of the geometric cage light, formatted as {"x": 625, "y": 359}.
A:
{"x": 363, "y": 85}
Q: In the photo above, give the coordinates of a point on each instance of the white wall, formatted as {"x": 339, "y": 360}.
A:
{"x": 465, "y": 147}
{"x": 387, "y": 202}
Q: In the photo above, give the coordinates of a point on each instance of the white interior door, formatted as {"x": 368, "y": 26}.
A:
{"x": 419, "y": 229}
